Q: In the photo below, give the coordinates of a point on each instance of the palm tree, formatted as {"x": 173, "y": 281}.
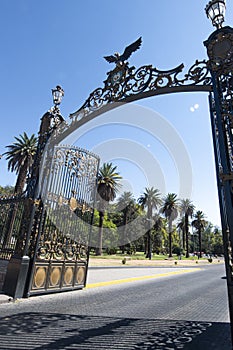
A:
{"x": 20, "y": 157}
{"x": 187, "y": 209}
{"x": 170, "y": 210}
{"x": 158, "y": 229}
{"x": 126, "y": 205}
{"x": 199, "y": 223}
{"x": 107, "y": 187}
{"x": 181, "y": 226}
{"x": 150, "y": 199}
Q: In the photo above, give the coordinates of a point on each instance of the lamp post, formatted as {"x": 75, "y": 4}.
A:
{"x": 220, "y": 51}
{"x": 49, "y": 122}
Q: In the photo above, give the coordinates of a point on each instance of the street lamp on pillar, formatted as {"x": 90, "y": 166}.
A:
{"x": 19, "y": 265}
{"x": 52, "y": 118}
{"x": 220, "y": 52}
{"x": 215, "y": 11}
{"x": 58, "y": 94}
{"x": 50, "y": 121}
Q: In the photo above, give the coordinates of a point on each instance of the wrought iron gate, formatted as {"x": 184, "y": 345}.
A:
{"x": 62, "y": 223}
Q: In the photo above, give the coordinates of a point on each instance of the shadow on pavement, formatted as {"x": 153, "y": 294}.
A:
{"x": 60, "y": 331}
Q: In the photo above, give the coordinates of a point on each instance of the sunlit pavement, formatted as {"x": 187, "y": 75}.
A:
{"x": 170, "y": 311}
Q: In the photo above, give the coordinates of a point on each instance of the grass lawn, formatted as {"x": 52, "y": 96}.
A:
{"x": 141, "y": 256}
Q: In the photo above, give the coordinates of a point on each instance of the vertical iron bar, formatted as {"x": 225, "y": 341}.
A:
{"x": 224, "y": 186}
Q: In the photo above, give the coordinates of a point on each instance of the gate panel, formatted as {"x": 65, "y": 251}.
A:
{"x": 63, "y": 223}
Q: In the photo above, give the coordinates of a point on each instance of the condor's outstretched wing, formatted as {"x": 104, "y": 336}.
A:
{"x": 130, "y": 49}
{"x": 110, "y": 59}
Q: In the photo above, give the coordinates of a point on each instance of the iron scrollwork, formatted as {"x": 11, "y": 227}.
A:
{"x": 78, "y": 162}
{"x": 123, "y": 83}
{"x": 60, "y": 241}
{"x": 60, "y": 248}
{"x": 68, "y": 205}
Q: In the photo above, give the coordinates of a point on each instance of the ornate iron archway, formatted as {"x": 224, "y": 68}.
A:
{"x": 126, "y": 84}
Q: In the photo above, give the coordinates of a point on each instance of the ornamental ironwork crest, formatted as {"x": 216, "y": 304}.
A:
{"x": 126, "y": 83}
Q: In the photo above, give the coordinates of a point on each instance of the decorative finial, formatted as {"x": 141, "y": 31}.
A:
{"x": 119, "y": 59}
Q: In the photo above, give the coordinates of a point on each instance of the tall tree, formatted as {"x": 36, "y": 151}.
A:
{"x": 187, "y": 208}
{"x": 217, "y": 247}
{"x": 126, "y": 205}
{"x": 181, "y": 226}
{"x": 170, "y": 210}
{"x": 20, "y": 157}
{"x": 158, "y": 233}
{"x": 107, "y": 188}
{"x": 151, "y": 199}
{"x": 199, "y": 223}
{"x": 208, "y": 238}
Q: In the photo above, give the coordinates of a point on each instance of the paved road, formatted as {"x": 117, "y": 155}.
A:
{"x": 177, "y": 311}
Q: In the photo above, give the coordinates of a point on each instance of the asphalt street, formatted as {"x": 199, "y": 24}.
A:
{"x": 149, "y": 308}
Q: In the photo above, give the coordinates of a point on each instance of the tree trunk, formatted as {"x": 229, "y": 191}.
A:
{"x": 170, "y": 238}
{"x": 149, "y": 217}
{"x": 183, "y": 237}
{"x": 200, "y": 247}
{"x": 124, "y": 232}
{"x": 187, "y": 235}
{"x": 21, "y": 179}
{"x": 145, "y": 244}
{"x": 148, "y": 255}
{"x": 101, "y": 221}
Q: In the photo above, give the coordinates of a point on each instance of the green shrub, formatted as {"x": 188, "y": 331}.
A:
{"x": 124, "y": 261}
{"x": 177, "y": 250}
{"x": 111, "y": 251}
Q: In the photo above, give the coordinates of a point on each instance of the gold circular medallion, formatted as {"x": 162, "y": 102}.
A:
{"x": 80, "y": 275}
{"x": 55, "y": 276}
{"x": 68, "y": 277}
{"x": 40, "y": 277}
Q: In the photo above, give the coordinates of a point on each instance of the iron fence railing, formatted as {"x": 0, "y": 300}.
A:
{"x": 11, "y": 215}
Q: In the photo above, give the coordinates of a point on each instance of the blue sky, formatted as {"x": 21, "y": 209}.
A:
{"x": 63, "y": 42}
